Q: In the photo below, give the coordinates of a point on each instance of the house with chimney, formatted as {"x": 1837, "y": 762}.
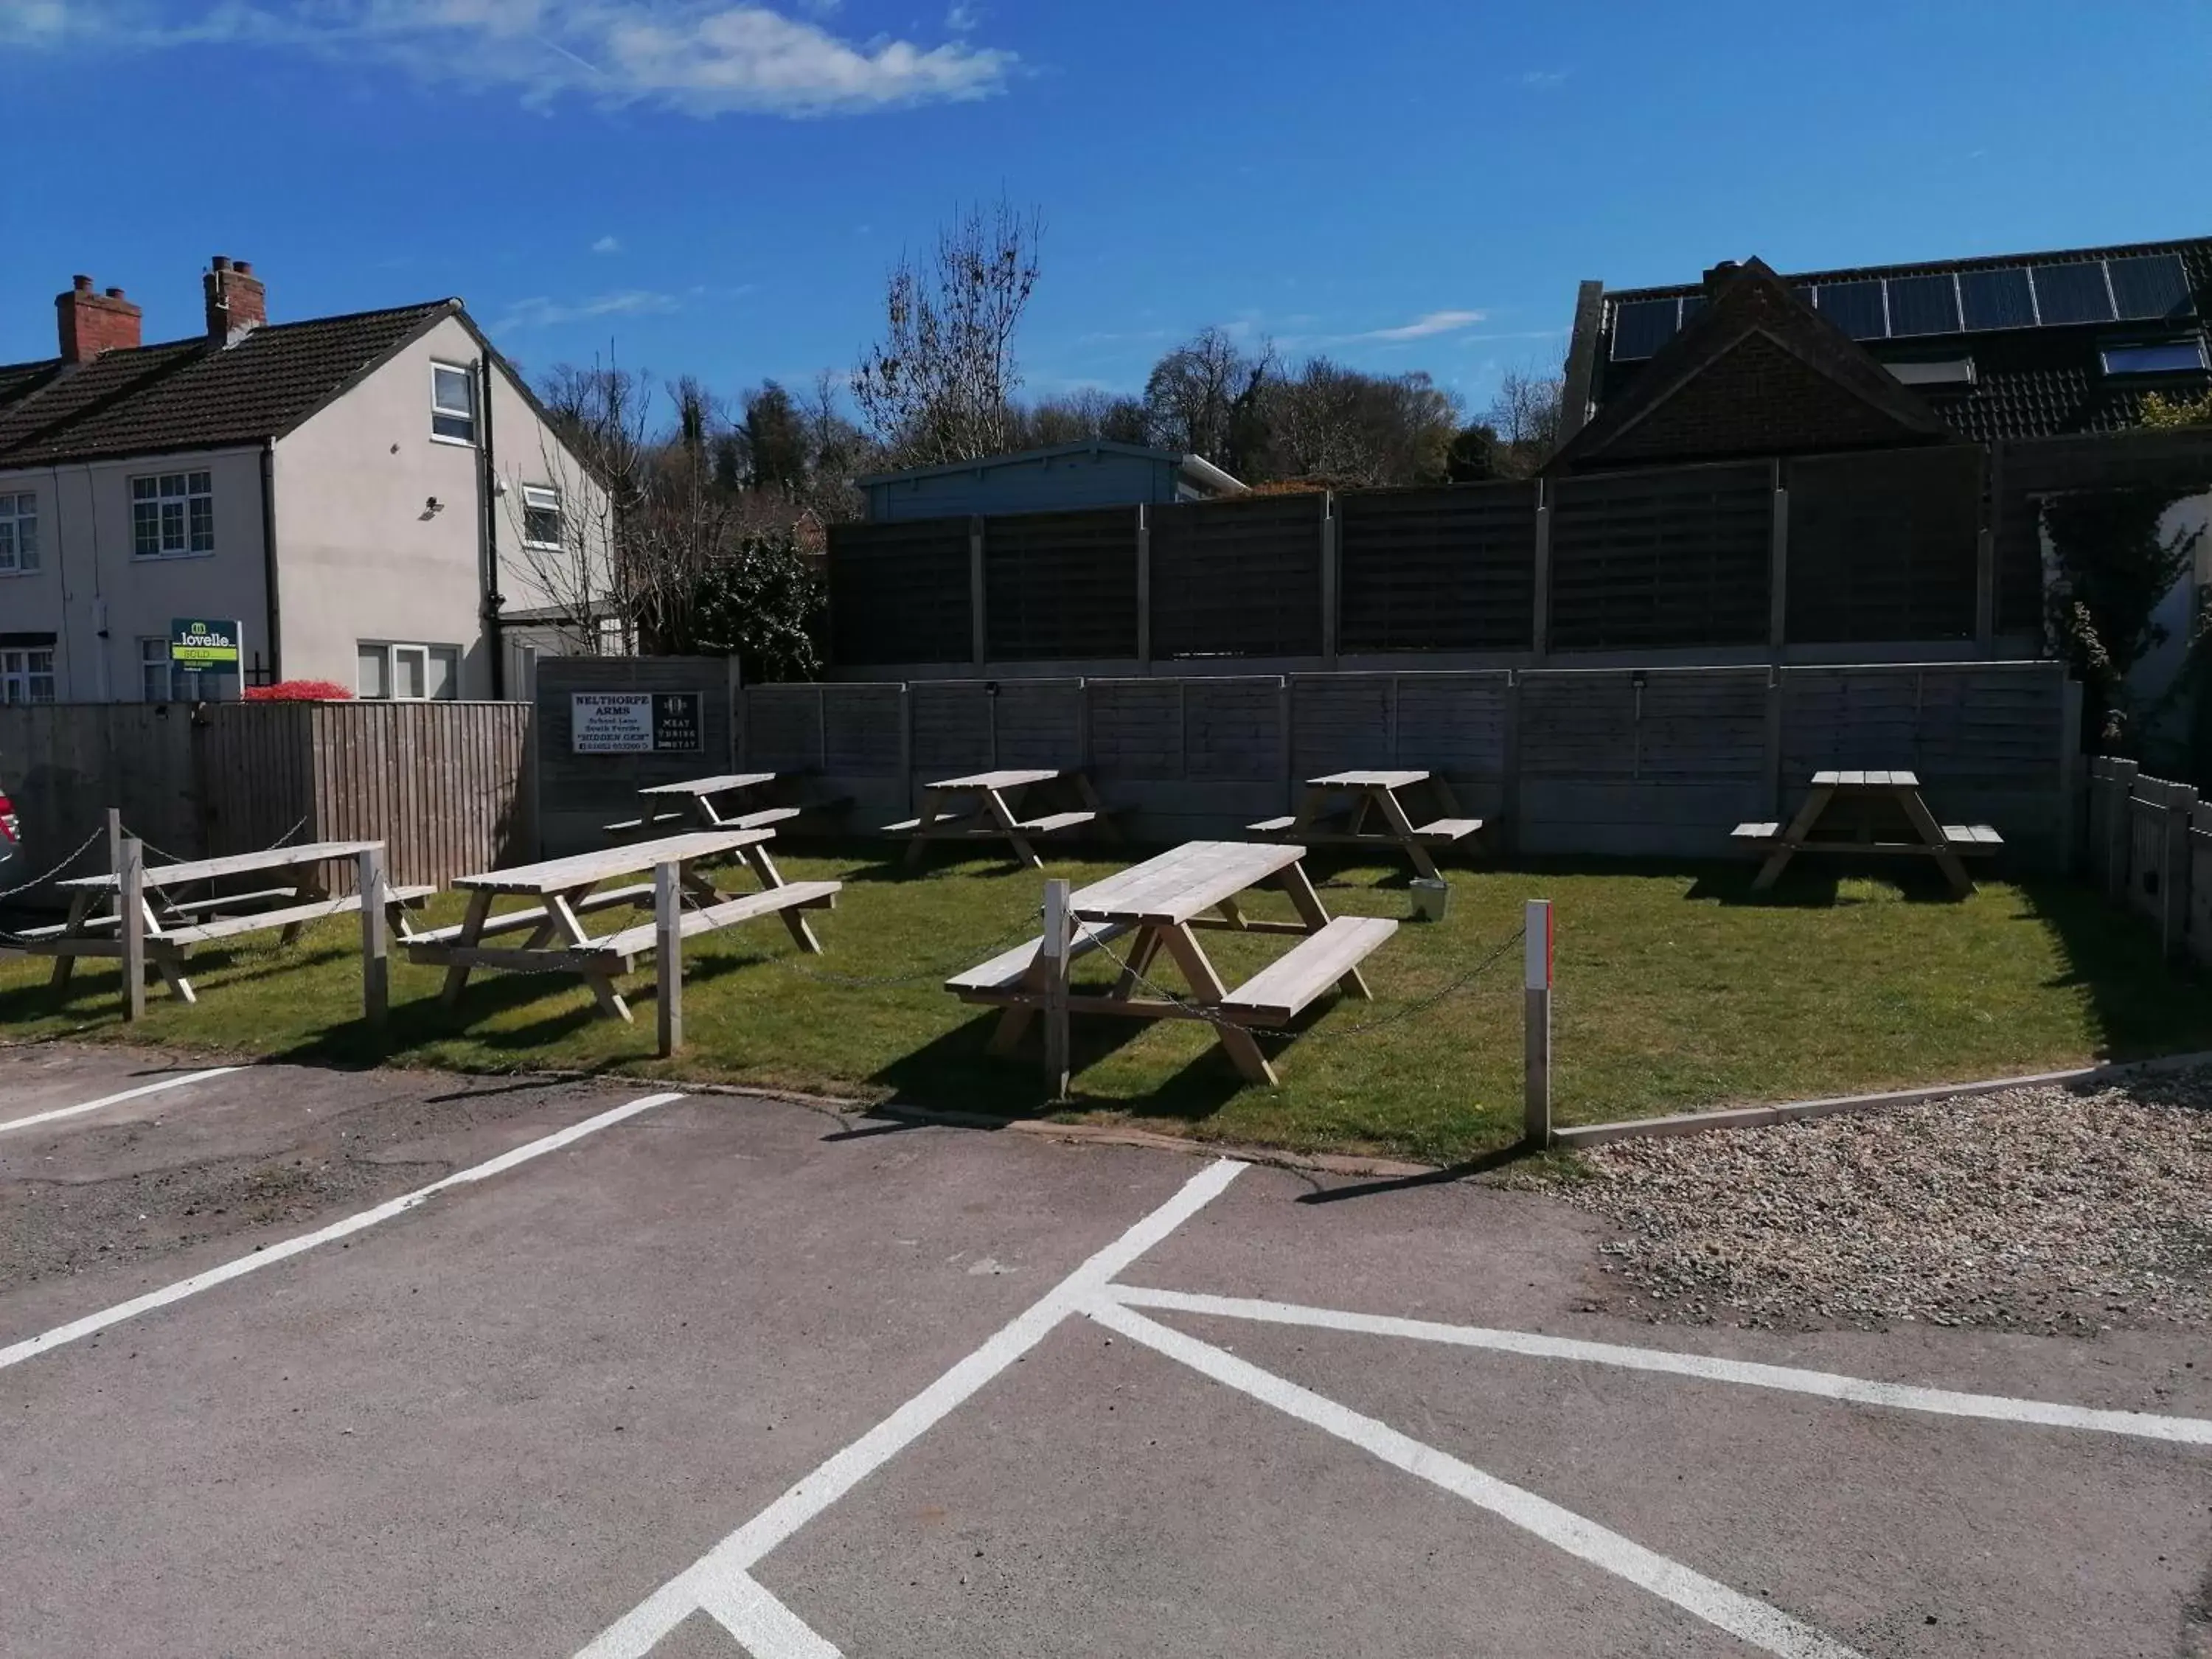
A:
{"x": 378, "y": 499}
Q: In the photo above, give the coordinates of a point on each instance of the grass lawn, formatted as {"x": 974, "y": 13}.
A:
{"x": 1677, "y": 990}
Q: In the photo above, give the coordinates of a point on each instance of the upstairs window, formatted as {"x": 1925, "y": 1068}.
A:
{"x": 543, "y": 524}
{"x": 2164, "y": 357}
{"x": 18, "y": 533}
{"x": 452, "y": 404}
{"x": 172, "y": 515}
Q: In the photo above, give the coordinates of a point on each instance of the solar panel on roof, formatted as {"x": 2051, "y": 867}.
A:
{"x": 2151, "y": 285}
{"x": 1997, "y": 299}
{"x": 2072, "y": 293}
{"x": 1855, "y": 307}
{"x": 1642, "y": 326}
{"x": 1923, "y": 305}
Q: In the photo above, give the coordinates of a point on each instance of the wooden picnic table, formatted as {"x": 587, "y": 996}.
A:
{"x": 568, "y": 889}
{"x": 1348, "y": 798}
{"x": 297, "y": 893}
{"x": 1163, "y": 902}
{"x": 1861, "y": 811}
{"x": 668, "y": 805}
{"x": 979, "y": 806}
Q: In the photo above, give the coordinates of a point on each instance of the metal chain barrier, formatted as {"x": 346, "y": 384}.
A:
{"x": 47, "y": 875}
{"x": 967, "y": 958}
{"x": 168, "y": 857}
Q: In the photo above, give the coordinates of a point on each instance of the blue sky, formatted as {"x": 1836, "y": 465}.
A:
{"x": 717, "y": 188}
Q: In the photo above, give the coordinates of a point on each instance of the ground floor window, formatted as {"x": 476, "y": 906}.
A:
{"x": 26, "y": 673}
{"x": 409, "y": 673}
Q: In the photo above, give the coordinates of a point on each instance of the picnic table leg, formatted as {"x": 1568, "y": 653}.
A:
{"x": 1015, "y": 1018}
{"x": 1311, "y": 911}
{"x": 1110, "y": 830}
{"x": 1401, "y": 830}
{"x": 1003, "y": 814}
{"x": 308, "y": 887}
{"x": 169, "y": 961}
{"x": 602, "y": 980}
{"x": 756, "y": 858}
{"x": 933, "y": 803}
{"x": 1137, "y": 964}
{"x": 472, "y": 926}
{"x": 1310, "y": 807}
{"x": 1207, "y": 992}
{"x": 1446, "y": 802}
{"x": 1800, "y": 826}
{"x": 64, "y": 962}
{"x": 1923, "y": 821}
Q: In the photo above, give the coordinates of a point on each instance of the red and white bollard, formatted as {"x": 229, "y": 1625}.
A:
{"x": 1536, "y": 1027}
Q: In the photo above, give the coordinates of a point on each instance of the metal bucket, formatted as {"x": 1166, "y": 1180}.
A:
{"x": 1430, "y": 899}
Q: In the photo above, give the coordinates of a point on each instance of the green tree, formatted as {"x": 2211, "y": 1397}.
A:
{"x": 775, "y": 439}
{"x": 760, "y": 601}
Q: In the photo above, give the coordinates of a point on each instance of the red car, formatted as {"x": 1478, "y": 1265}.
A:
{"x": 10, "y": 831}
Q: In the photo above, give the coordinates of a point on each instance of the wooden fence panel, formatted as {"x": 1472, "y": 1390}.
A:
{"x": 1448, "y": 570}
{"x": 439, "y": 783}
{"x": 1061, "y": 586}
{"x": 1238, "y": 577}
{"x": 951, "y": 728}
{"x": 899, "y": 592}
{"x": 1136, "y": 728}
{"x": 577, "y": 795}
{"x": 1884, "y": 546}
{"x": 1679, "y": 557}
{"x": 65, "y": 764}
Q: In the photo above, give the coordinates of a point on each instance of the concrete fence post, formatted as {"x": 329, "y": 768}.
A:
{"x": 375, "y": 941}
{"x": 1536, "y": 1026}
{"x": 2117, "y": 782}
{"x": 668, "y": 952}
{"x": 131, "y": 915}
{"x": 2178, "y": 801}
{"x": 1054, "y": 952}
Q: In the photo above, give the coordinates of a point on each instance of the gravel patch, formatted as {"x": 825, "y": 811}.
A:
{"x": 2040, "y": 1210}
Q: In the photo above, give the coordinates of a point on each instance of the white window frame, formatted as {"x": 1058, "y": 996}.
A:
{"x": 18, "y": 533}
{"x": 443, "y": 411}
{"x": 392, "y": 651}
{"x": 180, "y": 684}
{"x": 544, "y": 498}
{"x": 187, "y": 490}
{"x": 23, "y": 667}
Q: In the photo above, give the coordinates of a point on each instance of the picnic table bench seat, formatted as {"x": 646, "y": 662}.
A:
{"x": 217, "y": 928}
{"x": 1006, "y": 970}
{"x": 1966, "y": 840}
{"x": 1448, "y": 830}
{"x": 639, "y": 893}
{"x": 1285, "y": 988}
{"x": 632, "y": 826}
{"x": 633, "y": 942}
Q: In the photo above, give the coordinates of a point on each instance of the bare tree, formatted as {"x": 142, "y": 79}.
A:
{"x": 1329, "y": 422}
{"x": 1195, "y": 394}
{"x": 938, "y": 387}
{"x": 1525, "y": 414}
{"x": 1081, "y": 416}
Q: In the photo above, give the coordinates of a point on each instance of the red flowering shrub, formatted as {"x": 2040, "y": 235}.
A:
{"x": 299, "y": 691}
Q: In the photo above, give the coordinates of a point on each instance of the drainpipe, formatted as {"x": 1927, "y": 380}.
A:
{"x": 487, "y": 503}
{"x": 268, "y": 565}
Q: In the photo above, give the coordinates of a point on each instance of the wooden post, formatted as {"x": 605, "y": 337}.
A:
{"x": 1536, "y": 1018}
{"x": 130, "y": 902}
{"x": 979, "y": 638}
{"x": 1540, "y": 637}
{"x": 1332, "y": 545}
{"x": 1054, "y": 953}
{"x": 1777, "y": 554}
{"x": 375, "y": 941}
{"x": 1145, "y": 589}
{"x": 668, "y": 952}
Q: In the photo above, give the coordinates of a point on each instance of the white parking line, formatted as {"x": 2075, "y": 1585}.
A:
{"x": 177, "y": 1082}
{"x": 1755, "y": 1622}
{"x": 721, "y": 1578}
{"x": 30, "y": 1347}
{"x": 1860, "y": 1391}
{"x": 769, "y": 1629}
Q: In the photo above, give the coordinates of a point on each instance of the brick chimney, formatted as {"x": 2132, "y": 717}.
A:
{"x": 92, "y": 323}
{"x": 237, "y": 304}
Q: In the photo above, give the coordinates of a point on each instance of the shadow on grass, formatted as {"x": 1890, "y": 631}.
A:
{"x": 2142, "y": 1006}
{"x": 1814, "y": 881}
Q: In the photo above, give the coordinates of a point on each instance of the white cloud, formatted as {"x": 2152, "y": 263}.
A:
{"x": 1434, "y": 322}
{"x": 962, "y": 18}
{"x": 1543, "y": 80}
{"x": 607, "y": 245}
{"x": 539, "y": 311}
{"x": 696, "y": 56}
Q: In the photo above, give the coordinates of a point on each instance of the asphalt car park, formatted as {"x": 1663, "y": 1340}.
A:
{"x": 397, "y": 1364}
